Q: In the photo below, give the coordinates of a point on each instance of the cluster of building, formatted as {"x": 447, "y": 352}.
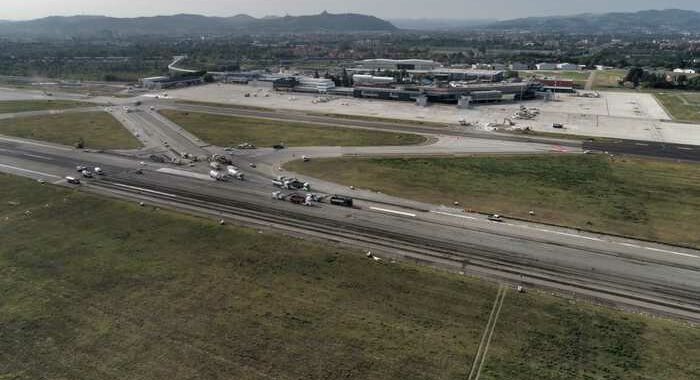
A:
{"x": 421, "y": 81}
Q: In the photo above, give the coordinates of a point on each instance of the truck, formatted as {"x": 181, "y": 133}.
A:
{"x": 291, "y": 184}
{"x": 217, "y": 175}
{"x": 339, "y": 200}
{"x": 235, "y": 173}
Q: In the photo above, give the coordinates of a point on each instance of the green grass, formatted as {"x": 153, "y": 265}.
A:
{"x": 12, "y": 106}
{"x": 542, "y": 338}
{"x": 683, "y": 106}
{"x": 99, "y": 130}
{"x": 97, "y": 289}
{"x": 232, "y": 130}
{"x": 642, "y": 198}
{"x": 607, "y": 79}
{"x": 92, "y": 288}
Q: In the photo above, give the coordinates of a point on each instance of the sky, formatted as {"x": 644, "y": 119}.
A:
{"x": 389, "y": 9}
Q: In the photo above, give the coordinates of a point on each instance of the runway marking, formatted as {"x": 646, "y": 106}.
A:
{"x": 393, "y": 212}
{"x": 684, "y": 148}
{"x": 184, "y": 173}
{"x": 145, "y": 190}
{"x": 37, "y": 156}
{"x": 29, "y": 171}
{"x": 671, "y": 252}
{"x": 454, "y": 215}
{"x": 34, "y": 143}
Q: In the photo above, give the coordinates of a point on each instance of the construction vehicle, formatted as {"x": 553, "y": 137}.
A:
{"x": 235, "y": 173}
{"x": 221, "y": 159}
{"x": 217, "y": 175}
{"x": 246, "y": 146}
{"x": 291, "y": 184}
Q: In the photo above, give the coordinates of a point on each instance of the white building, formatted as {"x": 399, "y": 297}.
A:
{"x": 546, "y": 66}
{"x": 370, "y": 80}
{"x": 568, "y": 66}
{"x": 517, "y": 66}
{"x": 321, "y": 85}
{"x": 397, "y": 64}
{"x": 684, "y": 71}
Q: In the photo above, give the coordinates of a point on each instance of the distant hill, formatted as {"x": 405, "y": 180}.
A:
{"x": 651, "y": 21}
{"x": 186, "y": 24}
{"x": 429, "y": 24}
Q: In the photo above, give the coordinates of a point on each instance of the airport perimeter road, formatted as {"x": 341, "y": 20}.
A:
{"x": 661, "y": 278}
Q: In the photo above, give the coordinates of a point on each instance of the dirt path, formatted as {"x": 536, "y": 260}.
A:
{"x": 485, "y": 342}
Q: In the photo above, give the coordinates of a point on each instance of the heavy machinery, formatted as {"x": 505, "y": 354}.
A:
{"x": 291, "y": 184}
{"x": 223, "y": 160}
{"x": 217, "y": 175}
{"x": 235, "y": 172}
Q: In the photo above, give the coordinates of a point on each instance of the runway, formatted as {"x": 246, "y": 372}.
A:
{"x": 661, "y": 278}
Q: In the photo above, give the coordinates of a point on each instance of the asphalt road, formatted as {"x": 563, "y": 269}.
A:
{"x": 646, "y": 148}
{"x": 651, "y": 276}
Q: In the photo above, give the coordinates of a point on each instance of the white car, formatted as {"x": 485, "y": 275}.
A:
{"x": 73, "y": 180}
{"x": 99, "y": 171}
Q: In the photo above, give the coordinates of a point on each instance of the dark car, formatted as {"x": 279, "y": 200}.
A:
{"x": 278, "y": 146}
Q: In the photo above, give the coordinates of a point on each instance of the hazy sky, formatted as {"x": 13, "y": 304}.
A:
{"x": 456, "y": 9}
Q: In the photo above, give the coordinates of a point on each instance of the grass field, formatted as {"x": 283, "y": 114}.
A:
{"x": 231, "y": 130}
{"x": 12, "y": 106}
{"x": 542, "y": 338}
{"x": 642, "y": 198}
{"x": 684, "y": 106}
{"x": 99, "y": 130}
{"x": 98, "y": 289}
{"x": 607, "y": 79}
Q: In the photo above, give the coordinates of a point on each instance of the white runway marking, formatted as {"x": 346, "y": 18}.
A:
{"x": 454, "y": 215}
{"x": 184, "y": 173}
{"x": 33, "y": 143}
{"x": 629, "y": 245}
{"x": 29, "y": 171}
{"x": 145, "y": 190}
{"x": 393, "y": 212}
{"x": 37, "y": 156}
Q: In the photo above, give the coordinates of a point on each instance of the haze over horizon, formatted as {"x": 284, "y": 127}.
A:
{"x": 388, "y": 9}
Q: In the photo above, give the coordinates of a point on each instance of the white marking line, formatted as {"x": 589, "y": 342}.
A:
{"x": 683, "y": 148}
{"x": 36, "y": 156}
{"x": 454, "y": 215}
{"x": 393, "y": 212}
{"x": 34, "y": 143}
{"x": 574, "y": 235}
{"x": 29, "y": 171}
{"x": 184, "y": 173}
{"x": 145, "y": 190}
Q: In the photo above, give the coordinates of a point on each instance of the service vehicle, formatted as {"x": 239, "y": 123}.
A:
{"x": 496, "y": 218}
{"x": 73, "y": 180}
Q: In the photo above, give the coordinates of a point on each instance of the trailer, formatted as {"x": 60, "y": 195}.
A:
{"x": 339, "y": 200}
